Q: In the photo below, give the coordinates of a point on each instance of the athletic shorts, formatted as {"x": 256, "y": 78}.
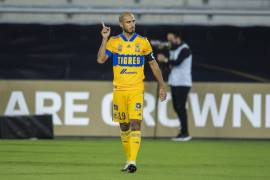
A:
{"x": 127, "y": 105}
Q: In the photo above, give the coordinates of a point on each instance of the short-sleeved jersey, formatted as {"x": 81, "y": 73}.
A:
{"x": 128, "y": 56}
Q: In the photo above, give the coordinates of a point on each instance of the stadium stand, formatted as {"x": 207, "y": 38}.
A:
{"x": 59, "y": 35}
{"x": 204, "y": 12}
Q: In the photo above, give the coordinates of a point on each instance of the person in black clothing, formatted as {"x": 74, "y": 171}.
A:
{"x": 179, "y": 61}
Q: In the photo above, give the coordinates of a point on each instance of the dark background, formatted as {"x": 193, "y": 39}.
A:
{"x": 68, "y": 52}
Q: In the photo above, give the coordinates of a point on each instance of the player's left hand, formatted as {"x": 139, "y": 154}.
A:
{"x": 162, "y": 93}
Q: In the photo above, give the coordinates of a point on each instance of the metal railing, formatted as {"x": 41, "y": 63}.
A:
{"x": 139, "y": 11}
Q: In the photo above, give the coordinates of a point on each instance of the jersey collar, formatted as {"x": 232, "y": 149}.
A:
{"x": 131, "y": 39}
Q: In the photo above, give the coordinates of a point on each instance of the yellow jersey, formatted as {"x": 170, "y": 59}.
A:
{"x": 128, "y": 56}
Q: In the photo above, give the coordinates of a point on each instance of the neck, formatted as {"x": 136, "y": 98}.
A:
{"x": 127, "y": 35}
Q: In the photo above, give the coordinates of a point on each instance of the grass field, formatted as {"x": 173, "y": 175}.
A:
{"x": 101, "y": 159}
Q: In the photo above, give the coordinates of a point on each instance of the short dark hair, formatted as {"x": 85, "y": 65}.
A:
{"x": 177, "y": 34}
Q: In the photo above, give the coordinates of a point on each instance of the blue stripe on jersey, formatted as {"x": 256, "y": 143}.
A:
{"x": 109, "y": 53}
{"x": 128, "y": 60}
{"x": 123, "y": 37}
{"x": 131, "y": 39}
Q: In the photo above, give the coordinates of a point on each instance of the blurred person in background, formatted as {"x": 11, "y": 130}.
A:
{"x": 179, "y": 63}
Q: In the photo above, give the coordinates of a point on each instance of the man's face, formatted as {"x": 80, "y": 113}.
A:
{"x": 173, "y": 39}
{"x": 170, "y": 37}
{"x": 128, "y": 24}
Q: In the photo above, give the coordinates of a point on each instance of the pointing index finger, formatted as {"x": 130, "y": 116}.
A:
{"x": 103, "y": 24}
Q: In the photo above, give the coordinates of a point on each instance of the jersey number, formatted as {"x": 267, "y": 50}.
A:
{"x": 122, "y": 116}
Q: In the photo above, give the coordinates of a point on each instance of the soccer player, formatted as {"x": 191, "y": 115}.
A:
{"x": 129, "y": 51}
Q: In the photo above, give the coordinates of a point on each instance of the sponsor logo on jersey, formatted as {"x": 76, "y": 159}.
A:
{"x": 124, "y": 71}
{"x": 128, "y": 60}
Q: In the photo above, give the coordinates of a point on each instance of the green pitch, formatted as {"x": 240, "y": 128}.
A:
{"x": 102, "y": 159}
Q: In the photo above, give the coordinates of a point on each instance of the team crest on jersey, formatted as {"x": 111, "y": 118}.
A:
{"x": 137, "y": 47}
{"x": 129, "y": 46}
{"x": 115, "y": 107}
{"x": 120, "y": 47}
{"x": 138, "y": 105}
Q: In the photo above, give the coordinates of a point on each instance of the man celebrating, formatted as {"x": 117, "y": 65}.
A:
{"x": 129, "y": 51}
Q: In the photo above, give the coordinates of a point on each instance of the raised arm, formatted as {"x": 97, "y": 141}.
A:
{"x": 102, "y": 56}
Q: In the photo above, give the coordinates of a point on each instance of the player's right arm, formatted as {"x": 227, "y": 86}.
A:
{"x": 102, "y": 56}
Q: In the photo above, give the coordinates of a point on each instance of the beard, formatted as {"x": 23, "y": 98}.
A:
{"x": 131, "y": 31}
